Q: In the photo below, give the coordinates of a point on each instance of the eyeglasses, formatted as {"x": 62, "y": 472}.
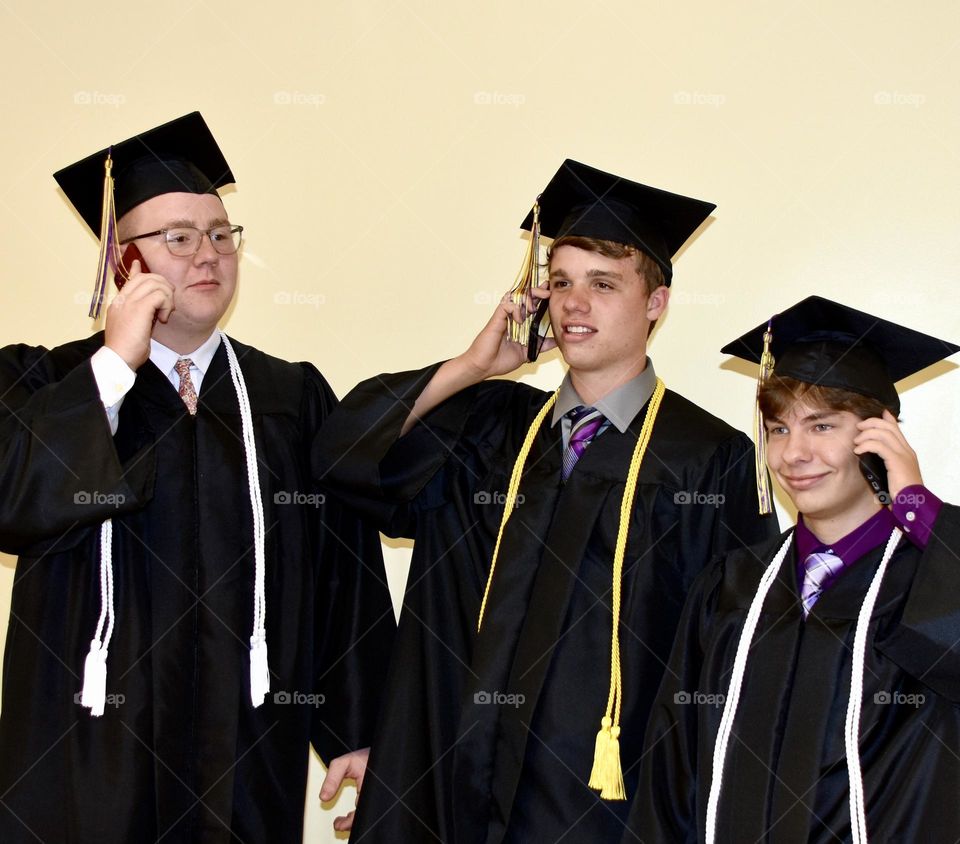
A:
{"x": 185, "y": 241}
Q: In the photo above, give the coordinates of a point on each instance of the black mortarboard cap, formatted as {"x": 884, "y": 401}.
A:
{"x": 818, "y": 341}
{"x": 586, "y": 202}
{"x": 178, "y": 157}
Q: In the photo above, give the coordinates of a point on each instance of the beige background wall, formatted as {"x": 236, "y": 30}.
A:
{"x": 387, "y": 151}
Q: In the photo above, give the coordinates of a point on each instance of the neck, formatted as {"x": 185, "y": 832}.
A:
{"x": 182, "y": 341}
{"x": 593, "y": 386}
{"x": 830, "y": 529}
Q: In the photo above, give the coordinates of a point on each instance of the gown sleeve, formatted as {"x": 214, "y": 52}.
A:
{"x": 664, "y": 808}
{"x": 926, "y": 642}
{"x": 354, "y": 619}
{"x": 59, "y": 468}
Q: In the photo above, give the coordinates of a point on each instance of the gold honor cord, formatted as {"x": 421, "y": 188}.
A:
{"x": 607, "y": 774}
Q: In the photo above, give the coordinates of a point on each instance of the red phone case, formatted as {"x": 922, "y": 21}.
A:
{"x": 130, "y": 254}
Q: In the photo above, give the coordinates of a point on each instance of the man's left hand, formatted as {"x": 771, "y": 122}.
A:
{"x": 884, "y": 437}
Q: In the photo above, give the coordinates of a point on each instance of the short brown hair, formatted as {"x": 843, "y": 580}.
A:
{"x": 779, "y": 394}
{"x": 648, "y": 269}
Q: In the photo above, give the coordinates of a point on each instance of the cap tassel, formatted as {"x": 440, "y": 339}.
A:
{"x": 527, "y": 278}
{"x": 764, "y": 495}
{"x": 109, "y": 247}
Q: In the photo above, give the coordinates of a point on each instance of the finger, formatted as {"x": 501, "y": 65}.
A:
{"x": 540, "y": 292}
{"x": 344, "y": 823}
{"x": 334, "y": 778}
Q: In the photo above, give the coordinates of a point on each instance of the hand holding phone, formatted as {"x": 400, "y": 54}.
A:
{"x": 130, "y": 254}
{"x": 874, "y": 471}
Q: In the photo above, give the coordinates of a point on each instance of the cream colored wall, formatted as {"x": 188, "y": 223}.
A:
{"x": 387, "y": 151}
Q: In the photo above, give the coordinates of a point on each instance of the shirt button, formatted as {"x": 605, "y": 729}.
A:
{"x": 911, "y": 516}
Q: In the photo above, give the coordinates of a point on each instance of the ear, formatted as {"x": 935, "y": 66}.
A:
{"x": 657, "y": 302}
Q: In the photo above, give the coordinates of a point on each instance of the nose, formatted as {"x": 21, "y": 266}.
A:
{"x": 206, "y": 254}
{"x": 576, "y": 300}
{"x": 795, "y": 449}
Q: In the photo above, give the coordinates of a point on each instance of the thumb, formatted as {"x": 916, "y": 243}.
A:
{"x": 335, "y": 775}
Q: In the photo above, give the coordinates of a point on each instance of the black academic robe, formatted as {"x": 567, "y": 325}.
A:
{"x": 490, "y": 737}
{"x": 180, "y": 754}
{"x": 785, "y": 777}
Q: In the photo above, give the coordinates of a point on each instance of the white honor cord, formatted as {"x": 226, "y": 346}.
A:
{"x": 93, "y": 695}
{"x": 858, "y": 821}
{"x": 858, "y": 807}
{"x": 259, "y": 665}
{"x": 736, "y": 681}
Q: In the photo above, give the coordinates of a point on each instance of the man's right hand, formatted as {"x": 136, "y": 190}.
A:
{"x": 491, "y": 353}
{"x": 145, "y": 298}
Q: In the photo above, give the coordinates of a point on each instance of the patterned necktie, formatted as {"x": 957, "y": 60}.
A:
{"x": 584, "y": 424}
{"x": 187, "y": 393}
{"x": 817, "y": 570}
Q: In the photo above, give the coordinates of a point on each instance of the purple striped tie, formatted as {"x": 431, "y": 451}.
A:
{"x": 584, "y": 424}
{"x": 818, "y": 569}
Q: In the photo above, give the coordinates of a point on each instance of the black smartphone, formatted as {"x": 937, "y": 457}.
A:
{"x": 539, "y": 326}
{"x": 130, "y": 254}
{"x": 874, "y": 471}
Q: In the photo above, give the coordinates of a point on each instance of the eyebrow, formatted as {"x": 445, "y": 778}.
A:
{"x": 812, "y": 417}
{"x": 185, "y": 223}
{"x": 559, "y": 273}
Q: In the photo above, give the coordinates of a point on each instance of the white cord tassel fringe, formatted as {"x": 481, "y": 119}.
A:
{"x": 94, "y": 694}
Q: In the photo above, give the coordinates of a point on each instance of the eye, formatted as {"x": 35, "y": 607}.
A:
{"x": 179, "y": 236}
{"x": 822, "y": 427}
{"x": 602, "y": 285}
{"x": 221, "y": 234}
{"x": 776, "y": 431}
{"x": 557, "y": 283}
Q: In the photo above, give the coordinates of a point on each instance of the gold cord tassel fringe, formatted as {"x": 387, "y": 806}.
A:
{"x": 527, "y": 278}
{"x": 109, "y": 248}
{"x": 764, "y": 494}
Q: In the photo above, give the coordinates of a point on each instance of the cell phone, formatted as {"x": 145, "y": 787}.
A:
{"x": 874, "y": 471}
{"x": 130, "y": 254}
{"x": 539, "y": 326}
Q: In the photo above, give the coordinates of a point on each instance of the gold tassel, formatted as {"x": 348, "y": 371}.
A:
{"x": 600, "y": 756}
{"x": 527, "y": 278}
{"x": 759, "y": 429}
{"x": 109, "y": 248}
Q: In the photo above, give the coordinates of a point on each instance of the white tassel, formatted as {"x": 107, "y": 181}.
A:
{"x": 259, "y": 666}
{"x": 94, "y": 694}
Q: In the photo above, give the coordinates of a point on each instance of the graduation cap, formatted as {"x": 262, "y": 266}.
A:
{"x": 583, "y": 201}
{"x": 821, "y": 342}
{"x": 181, "y": 156}
{"x": 586, "y": 202}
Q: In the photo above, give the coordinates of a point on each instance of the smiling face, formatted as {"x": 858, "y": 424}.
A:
{"x": 601, "y": 314}
{"x": 810, "y": 453}
{"x": 203, "y": 283}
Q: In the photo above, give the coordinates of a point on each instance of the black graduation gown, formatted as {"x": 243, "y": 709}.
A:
{"x": 180, "y": 754}
{"x": 490, "y": 738}
{"x": 785, "y": 777}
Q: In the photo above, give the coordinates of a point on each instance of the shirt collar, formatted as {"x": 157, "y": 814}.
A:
{"x": 620, "y": 406}
{"x": 165, "y": 358}
{"x": 872, "y": 533}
